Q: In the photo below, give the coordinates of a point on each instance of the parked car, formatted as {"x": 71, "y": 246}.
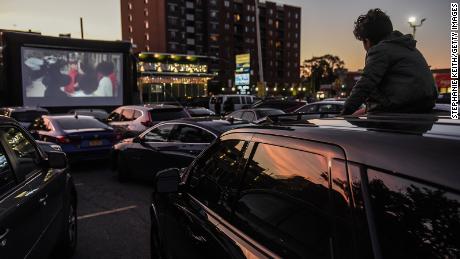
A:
{"x": 171, "y": 143}
{"x": 80, "y": 137}
{"x": 284, "y": 105}
{"x": 99, "y": 114}
{"x": 132, "y": 120}
{"x": 375, "y": 187}
{"x": 199, "y": 112}
{"x": 38, "y": 200}
{"x": 239, "y": 101}
{"x": 252, "y": 115}
{"x": 23, "y": 114}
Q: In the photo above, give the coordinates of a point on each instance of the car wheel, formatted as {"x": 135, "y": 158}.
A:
{"x": 122, "y": 170}
{"x": 68, "y": 241}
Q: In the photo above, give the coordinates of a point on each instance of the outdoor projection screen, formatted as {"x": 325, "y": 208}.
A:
{"x": 52, "y": 77}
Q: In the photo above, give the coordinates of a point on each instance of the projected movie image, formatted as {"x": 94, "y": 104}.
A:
{"x": 71, "y": 78}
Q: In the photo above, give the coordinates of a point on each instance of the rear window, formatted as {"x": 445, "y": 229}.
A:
{"x": 27, "y": 116}
{"x": 266, "y": 113}
{"x": 80, "y": 123}
{"x": 167, "y": 114}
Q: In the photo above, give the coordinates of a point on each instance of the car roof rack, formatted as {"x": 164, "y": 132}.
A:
{"x": 295, "y": 118}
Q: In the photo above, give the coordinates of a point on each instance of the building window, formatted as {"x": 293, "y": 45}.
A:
{"x": 214, "y": 37}
{"x": 245, "y": 28}
{"x": 172, "y": 46}
{"x": 190, "y": 17}
{"x": 146, "y": 1}
{"x": 147, "y": 36}
{"x": 130, "y": 6}
{"x": 226, "y": 3}
{"x": 172, "y": 8}
{"x": 270, "y": 21}
{"x": 130, "y": 18}
{"x": 271, "y": 11}
{"x": 296, "y": 35}
{"x": 146, "y": 12}
{"x": 190, "y": 41}
{"x": 277, "y": 24}
{"x": 297, "y": 16}
{"x": 236, "y": 17}
{"x": 248, "y": 18}
{"x": 190, "y": 29}
{"x": 213, "y": 13}
{"x": 130, "y": 28}
{"x": 131, "y": 40}
{"x": 189, "y": 4}
{"x": 213, "y": 2}
{"x": 227, "y": 26}
{"x": 146, "y": 24}
{"x": 147, "y": 47}
{"x": 296, "y": 25}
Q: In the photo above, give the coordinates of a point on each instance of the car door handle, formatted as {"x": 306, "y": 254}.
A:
{"x": 3, "y": 237}
{"x": 43, "y": 199}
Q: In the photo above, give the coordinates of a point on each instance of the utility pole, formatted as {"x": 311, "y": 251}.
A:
{"x": 81, "y": 27}
{"x": 259, "y": 46}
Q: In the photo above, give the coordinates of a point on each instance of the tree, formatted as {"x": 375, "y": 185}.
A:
{"x": 322, "y": 70}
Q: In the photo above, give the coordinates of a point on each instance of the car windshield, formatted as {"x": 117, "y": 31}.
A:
{"x": 265, "y": 113}
{"x": 72, "y": 123}
{"x": 167, "y": 114}
{"x": 200, "y": 112}
{"x": 27, "y": 116}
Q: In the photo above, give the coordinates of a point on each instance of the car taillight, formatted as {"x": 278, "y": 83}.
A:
{"x": 62, "y": 139}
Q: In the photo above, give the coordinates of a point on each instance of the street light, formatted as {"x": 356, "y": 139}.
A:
{"x": 414, "y": 26}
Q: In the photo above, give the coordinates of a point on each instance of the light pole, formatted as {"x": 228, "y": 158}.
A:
{"x": 414, "y": 26}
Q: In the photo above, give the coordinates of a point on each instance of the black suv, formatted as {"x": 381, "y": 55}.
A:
{"x": 37, "y": 198}
{"x": 372, "y": 187}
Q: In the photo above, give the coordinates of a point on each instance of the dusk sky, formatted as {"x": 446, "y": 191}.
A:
{"x": 327, "y": 25}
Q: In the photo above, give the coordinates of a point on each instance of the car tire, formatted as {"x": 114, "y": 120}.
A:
{"x": 68, "y": 240}
{"x": 122, "y": 170}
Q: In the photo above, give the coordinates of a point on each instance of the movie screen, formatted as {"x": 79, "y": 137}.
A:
{"x": 53, "y": 77}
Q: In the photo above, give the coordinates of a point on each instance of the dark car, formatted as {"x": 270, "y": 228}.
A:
{"x": 99, "y": 114}
{"x": 132, "y": 120}
{"x": 252, "y": 115}
{"x": 199, "y": 112}
{"x": 354, "y": 187}
{"x": 24, "y": 115}
{"x": 80, "y": 137}
{"x": 38, "y": 200}
{"x": 322, "y": 106}
{"x": 167, "y": 144}
{"x": 284, "y": 105}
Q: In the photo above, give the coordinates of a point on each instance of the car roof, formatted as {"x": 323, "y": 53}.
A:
{"x": 7, "y": 120}
{"x": 214, "y": 124}
{"x": 328, "y": 102}
{"x": 61, "y": 116}
{"x": 424, "y": 147}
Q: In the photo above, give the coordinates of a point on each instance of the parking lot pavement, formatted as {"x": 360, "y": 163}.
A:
{"x": 113, "y": 217}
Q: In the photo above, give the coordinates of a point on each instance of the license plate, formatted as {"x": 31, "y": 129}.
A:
{"x": 95, "y": 142}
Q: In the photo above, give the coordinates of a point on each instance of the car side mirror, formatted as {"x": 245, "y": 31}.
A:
{"x": 57, "y": 160}
{"x": 167, "y": 181}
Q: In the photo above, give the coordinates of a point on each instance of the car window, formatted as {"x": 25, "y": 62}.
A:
{"x": 190, "y": 134}
{"x": 414, "y": 220}
{"x": 137, "y": 114}
{"x": 284, "y": 202}
{"x": 7, "y": 179}
{"x": 265, "y": 113}
{"x": 72, "y": 123}
{"x": 215, "y": 177}
{"x": 236, "y": 115}
{"x": 235, "y": 99}
{"x": 127, "y": 115}
{"x": 243, "y": 100}
{"x": 159, "y": 134}
{"x": 308, "y": 108}
{"x": 114, "y": 116}
{"x": 248, "y": 116}
{"x": 248, "y": 99}
{"x": 25, "y": 154}
{"x": 168, "y": 114}
{"x": 38, "y": 124}
{"x": 328, "y": 108}
{"x": 27, "y": 116}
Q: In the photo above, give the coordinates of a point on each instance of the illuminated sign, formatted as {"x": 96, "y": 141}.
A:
{"x": 172, "y": 68}
{"x": 241, "y": 79}
{"x": 243, "y": 69}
